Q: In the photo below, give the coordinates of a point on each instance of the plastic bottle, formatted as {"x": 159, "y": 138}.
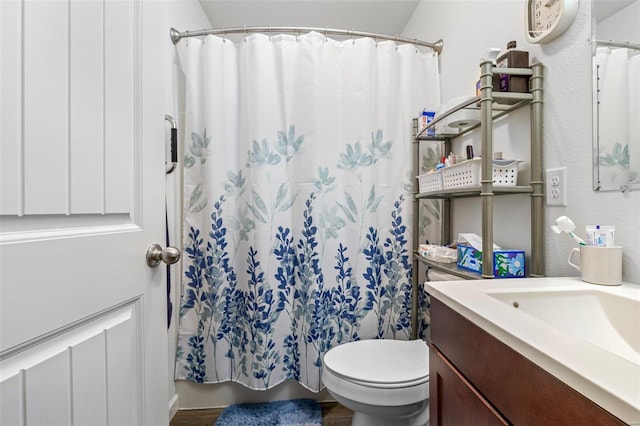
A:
{"x": 490, "y": 55}
{"x": 513, "y": 58}
{"x": 426, "y": 118}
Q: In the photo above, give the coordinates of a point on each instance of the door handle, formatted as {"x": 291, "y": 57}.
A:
{"x": 156, "y": 254}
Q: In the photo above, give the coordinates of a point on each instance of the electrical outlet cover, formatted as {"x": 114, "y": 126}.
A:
{"x": 556, "y": 187}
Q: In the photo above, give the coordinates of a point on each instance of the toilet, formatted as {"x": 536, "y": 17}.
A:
{"x": 384, "y": 382}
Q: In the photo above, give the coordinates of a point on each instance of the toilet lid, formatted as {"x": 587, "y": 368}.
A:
{"x": 380, "y": 361}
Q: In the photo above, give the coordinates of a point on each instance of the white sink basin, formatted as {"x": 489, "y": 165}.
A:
{"x": 609, "y": 321}
{"x": 586, "y": 335}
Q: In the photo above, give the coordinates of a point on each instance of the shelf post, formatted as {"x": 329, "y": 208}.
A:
{"x": 415, "y": 280}
{"x": 445, "y": 205}
{"x": 486, "y": 102}
{"x": 537, "y": 181}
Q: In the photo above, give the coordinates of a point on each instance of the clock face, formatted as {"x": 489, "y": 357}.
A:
{"x": 547, "y": 19}
{"x": 545, "y": 14}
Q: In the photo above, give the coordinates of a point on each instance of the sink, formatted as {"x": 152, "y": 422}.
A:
{"x": 587, "y": 336}
{"x": 609, "y": 321}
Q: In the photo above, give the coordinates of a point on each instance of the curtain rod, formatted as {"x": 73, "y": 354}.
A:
{"x": 612, "y": 43}
{"x": 177, "y": 35}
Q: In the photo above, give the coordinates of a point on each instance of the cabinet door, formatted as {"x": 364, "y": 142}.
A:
{"x": 453, "y": 400}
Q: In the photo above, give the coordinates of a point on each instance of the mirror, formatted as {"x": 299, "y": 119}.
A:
{"x": 616, "y": 94}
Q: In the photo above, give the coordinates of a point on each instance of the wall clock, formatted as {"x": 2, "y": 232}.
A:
{"x": 547, "y": 19}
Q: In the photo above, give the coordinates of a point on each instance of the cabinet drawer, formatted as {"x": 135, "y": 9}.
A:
{"x": 453, "y": 392}
{"x": 520, "y": 390}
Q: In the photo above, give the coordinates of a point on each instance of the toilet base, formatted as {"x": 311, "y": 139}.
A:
{"x": 416, "y": 414}
{"x": 369, "y": 419}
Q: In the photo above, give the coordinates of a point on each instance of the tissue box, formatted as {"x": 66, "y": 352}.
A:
{"x": 506, "y": 263}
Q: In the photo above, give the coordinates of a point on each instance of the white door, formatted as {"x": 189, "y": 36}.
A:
{"x": 82, "y": 317}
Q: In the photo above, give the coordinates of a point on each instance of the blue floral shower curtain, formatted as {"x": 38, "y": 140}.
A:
{"x": 297, "y": 189}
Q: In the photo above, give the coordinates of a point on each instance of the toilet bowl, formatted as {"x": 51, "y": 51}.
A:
{"x": 384, "y": 382}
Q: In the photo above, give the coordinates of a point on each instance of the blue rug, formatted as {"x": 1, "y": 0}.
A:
{"x": 297, "y": 412}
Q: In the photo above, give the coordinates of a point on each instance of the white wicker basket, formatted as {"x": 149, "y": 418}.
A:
{"x": 505, "y": 172}
{"x": 468, "y": 174}
{"x": 430, "y": 182}
{"x": 462, "y": 175}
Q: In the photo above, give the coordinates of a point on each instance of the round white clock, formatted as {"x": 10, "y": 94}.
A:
{"x": 547, "y": 19}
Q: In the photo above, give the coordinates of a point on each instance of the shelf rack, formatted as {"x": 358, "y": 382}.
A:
{"x": 492, "y": 105}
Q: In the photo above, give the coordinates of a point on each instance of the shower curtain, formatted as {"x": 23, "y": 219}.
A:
{"x": 618, "y": 111}
{"x": 297, "y": 212}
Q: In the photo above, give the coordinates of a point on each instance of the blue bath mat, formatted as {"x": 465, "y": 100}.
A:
{"x": 297, "y": 412}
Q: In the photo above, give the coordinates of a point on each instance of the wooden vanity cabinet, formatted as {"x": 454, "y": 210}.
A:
{"x": 476, "y": 379}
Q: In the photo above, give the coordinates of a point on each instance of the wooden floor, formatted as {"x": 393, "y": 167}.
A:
{"x": 333, "y": 414}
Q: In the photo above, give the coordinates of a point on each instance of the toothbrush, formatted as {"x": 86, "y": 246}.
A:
{"x": 564, "y": 224}
{"x": 579, "y": 240}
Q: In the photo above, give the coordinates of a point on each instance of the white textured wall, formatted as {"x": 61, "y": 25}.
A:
{"x": 183, "y": 15}
{"x": 622, "y": 26}
{"x": 468, "y": 28}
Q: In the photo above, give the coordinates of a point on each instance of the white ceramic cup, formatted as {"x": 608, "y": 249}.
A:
{"x": 598, "y": 265}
